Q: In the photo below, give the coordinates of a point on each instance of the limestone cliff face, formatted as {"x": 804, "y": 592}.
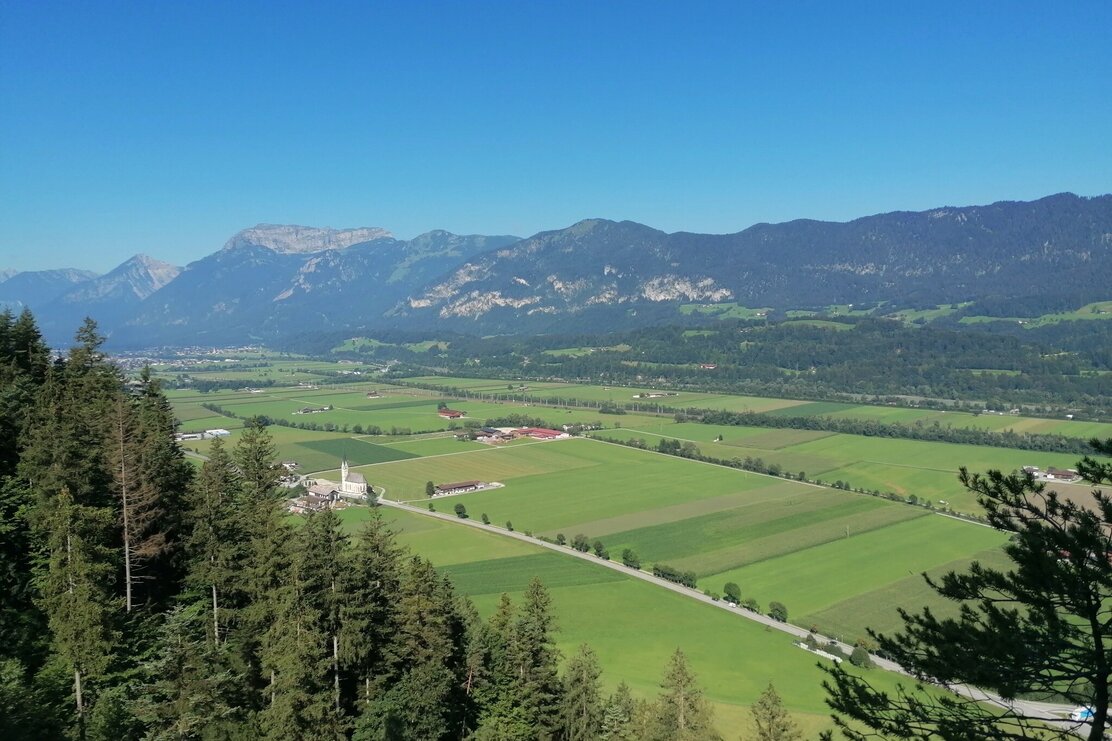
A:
{"x": 593, "y": 263}
{"x": 293, "y": 239}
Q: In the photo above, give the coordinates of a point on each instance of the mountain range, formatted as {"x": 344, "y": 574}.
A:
{"x": 275, "y": 280}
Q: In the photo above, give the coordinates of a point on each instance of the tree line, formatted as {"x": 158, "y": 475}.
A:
{"x": 933, "y": 432}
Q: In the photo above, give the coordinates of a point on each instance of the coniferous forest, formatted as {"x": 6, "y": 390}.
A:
{"x": 142, "y": 598}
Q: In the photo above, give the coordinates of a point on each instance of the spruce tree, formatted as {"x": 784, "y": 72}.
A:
{"x": 325, "y": 565}
{"x": 370, "y": 618}
{"x": 534, "y": 658}
{"x": 297, "y": 699}
{"x": 682, "y": 714}
{"x": 496, "y": 693}
{"x": 581, "y": 702}
{"x": 138, "y": 505}
{"x": 431, "y": 647}
{"x": 188, "y": 690}
{"x": 771, "y": 721}
{"x": 75, "y": 592}
{"x": 216, "y": 546}
{"x": 164, "y": 480}
{"x": 618, "y": 716}
{"x": 22, "y": 624}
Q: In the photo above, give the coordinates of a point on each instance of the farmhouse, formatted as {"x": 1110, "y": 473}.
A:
{"x": 324, "y": 489}
{"x": 314, "y": 410}
{"x": 218, "y": 432}
{"x": 457, "y": 487}
{"x": 1059, "y": 474}
{"x": 308, "y": 503}
{"x": 451, "y": 413}
{"x": 539, "y": 433}
{"x": 189, "y": 436}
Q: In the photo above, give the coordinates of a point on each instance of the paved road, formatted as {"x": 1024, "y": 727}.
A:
{"x": 1046, "y": 711}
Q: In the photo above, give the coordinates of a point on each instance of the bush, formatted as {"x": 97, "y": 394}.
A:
{"x": 485, "y": 519}
{"x": 752, "y": 605}
{"x": 778, "y": 612}
{"x": 581, "y": 543}
{"x": 860, "y": 658}
{"x": 509, "y": 526}
{"x": 664, "y": 571}
{"x": 461, "y": 511}
{"x": 732, "y": 592}
{"x": 631, "y": 559}
{"x": 600, "y": 550}
{"x": 560, "y": 539}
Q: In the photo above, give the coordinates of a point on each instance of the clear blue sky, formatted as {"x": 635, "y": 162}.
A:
{"x": 164, "y": 127}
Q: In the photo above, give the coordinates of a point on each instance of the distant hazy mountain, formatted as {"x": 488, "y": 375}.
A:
{"x": 271, "y": 281}
{"x": 111, "y": 298}
{"x": 39, "y": 287}
{"x": 6, "y": 273}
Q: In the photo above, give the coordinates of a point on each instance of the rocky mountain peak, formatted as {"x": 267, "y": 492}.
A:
{"x": 294, "y": 239}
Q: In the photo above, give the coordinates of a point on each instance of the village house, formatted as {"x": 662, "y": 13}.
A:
{"x": 457, "y": 487}
{"x": 540, "y": 433}
{"x": 309, "y": 503}
{"x": 1059, "y": 474}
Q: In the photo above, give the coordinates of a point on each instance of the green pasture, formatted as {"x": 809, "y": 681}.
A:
{"x": 212, "y": 422}
{"x": 724, "y": 311}
{"x": 1089, "y": 312}
{"x": 707, "y": 519}
{"x": 876, "y": 608}
{"x": 785, "y": 407}
{"x": 811, "y": 580}
{"x": 632, "y": 626}
{"x": 927, "y": 470}
{"x": 921, "y": 316}
{"x": 820, "y": 323}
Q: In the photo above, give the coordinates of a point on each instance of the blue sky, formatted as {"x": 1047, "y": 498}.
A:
{"x": 164, "y": 127}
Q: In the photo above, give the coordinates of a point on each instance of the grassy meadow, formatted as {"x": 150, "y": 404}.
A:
{"x": 813, "y": 548}
{"x": 631, "y": 625}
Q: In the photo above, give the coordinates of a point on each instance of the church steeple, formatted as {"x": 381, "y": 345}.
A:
{"x": 343, "y": 474}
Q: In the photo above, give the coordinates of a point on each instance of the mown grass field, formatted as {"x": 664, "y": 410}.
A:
{"x": 632, "y": 626}
{"x": 723, "y": 524}
{"x": 783, "y": 407}
{"x": 926, "y": 470}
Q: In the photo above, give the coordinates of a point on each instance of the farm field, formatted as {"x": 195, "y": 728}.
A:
{"x": 926, "y": 470}
{"x": 397, "y": 408}
{"x": 733, "y": 657}
{"x": 782, "y": 407}
{"x": 714, "y": 521}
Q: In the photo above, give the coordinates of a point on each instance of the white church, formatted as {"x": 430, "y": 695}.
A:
{"x": 352, "y": 485}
